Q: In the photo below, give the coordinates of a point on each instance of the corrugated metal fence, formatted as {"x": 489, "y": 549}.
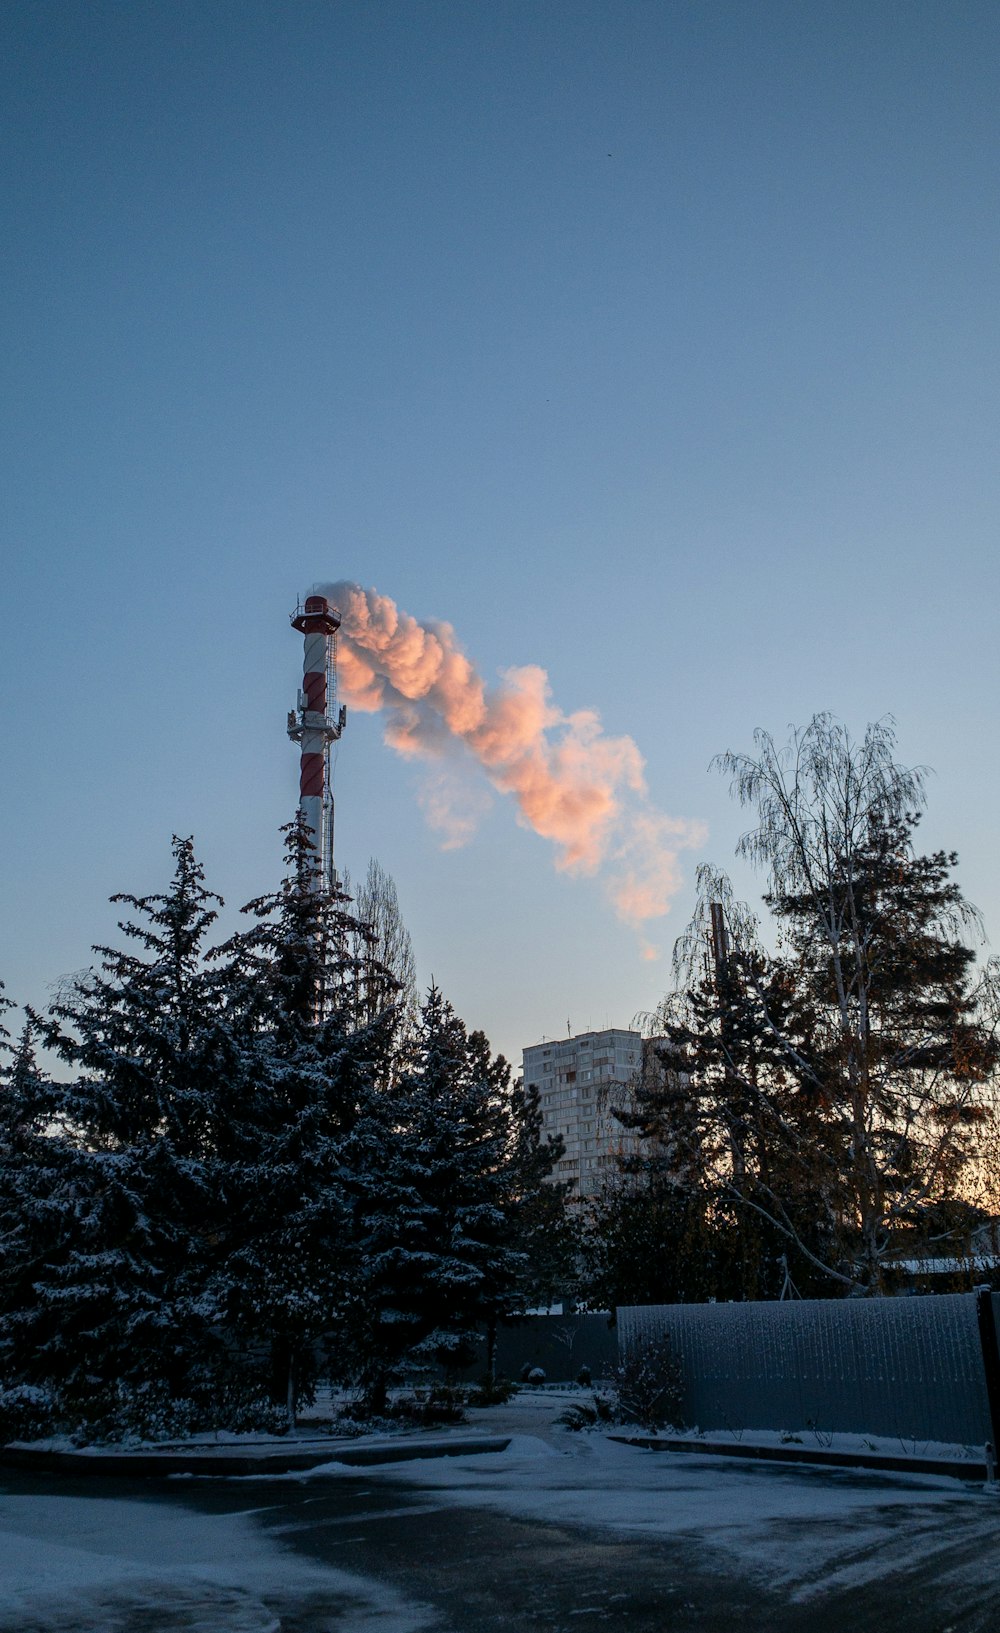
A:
{"x": 912, "y": 1368}
{"x": 559, "y": 1344}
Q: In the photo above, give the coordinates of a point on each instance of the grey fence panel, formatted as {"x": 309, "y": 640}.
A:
{"x": 909, "y": 1368}
{"x": 560, "y": 1344}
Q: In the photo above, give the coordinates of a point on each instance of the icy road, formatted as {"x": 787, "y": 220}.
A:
{"x": 561, "y": 1532}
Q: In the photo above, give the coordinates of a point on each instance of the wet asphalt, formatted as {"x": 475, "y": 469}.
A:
{"x": 477, "y": 1571}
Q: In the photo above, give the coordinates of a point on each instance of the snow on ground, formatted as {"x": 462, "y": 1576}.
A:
{"x": 534, "y": 1410}
{"x": 837, "y": 1441}
{"x": 809, "y": 1528}
{"x": 98, "y": 1565}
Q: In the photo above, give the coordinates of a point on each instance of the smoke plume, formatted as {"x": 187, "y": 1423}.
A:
{"x": 572, "y": 783}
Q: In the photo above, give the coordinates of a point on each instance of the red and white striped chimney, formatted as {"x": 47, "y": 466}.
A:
{"x": 316, "y": 724}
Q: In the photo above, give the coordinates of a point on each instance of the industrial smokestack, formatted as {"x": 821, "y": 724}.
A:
{"x": 315, "y": 725}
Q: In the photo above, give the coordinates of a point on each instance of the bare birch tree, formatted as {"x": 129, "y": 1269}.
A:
{"x": 382, "y": 950}
{"x": 849, "y": 1070}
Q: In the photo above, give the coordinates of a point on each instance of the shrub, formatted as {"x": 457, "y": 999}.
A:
{"x": 584, "y": 1415}
{"x": 243, "y": 1415}
{"x": 426, "y": 1407}
{"x": 492, "y": 1392}
{"x": 26, "y": 1413}
{"x": 651, "y": 1386}
{"x": 125, "y": 1411}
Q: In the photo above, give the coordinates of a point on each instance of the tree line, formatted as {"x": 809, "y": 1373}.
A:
{"x": 265, "y": 1158}
{"x": 822, "y": 1098}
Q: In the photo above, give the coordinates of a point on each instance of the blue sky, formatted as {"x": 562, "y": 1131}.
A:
{"x": 652, "y": 343}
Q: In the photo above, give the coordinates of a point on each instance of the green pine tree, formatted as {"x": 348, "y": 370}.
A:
{"x": 432, "y": 1240}
{"x": 311, "y": 1069}
{"x": 125, "y": 1329}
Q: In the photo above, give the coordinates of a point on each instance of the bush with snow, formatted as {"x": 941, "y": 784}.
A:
{"x": 651, "y": 1386}
{"x": 27, "y": 1412}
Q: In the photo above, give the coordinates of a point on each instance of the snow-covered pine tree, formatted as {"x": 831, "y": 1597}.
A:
{"x": 311, "y": 1071}
{"x": 5, "y": 1004}
{"x": 36, "y": 1194}
{"x": 124, "y": 1331}
{"x": 22, "y": 1407}
{"x": 432, "y": 1235}
{"x": 24, "y": 1111}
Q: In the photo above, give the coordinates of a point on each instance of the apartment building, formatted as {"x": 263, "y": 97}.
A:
{"x": 580, "y": 1081}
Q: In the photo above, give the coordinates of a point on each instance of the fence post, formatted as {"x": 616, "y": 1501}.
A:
{"x": 986, "y": 1316}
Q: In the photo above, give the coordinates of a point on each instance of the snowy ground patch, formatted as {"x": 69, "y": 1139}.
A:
{"x": 814, "y": 1438}
{"x": 110, "y": 1564}
{"x": 808, "y": 1529}
{"x": 97, "y": 1565}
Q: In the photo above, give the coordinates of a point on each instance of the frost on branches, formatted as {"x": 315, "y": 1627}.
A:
{"x": 253, "y": 1168}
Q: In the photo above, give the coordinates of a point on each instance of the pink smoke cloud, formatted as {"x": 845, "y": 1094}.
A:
{"x": 571, "y": 782}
